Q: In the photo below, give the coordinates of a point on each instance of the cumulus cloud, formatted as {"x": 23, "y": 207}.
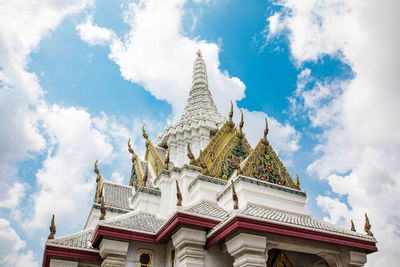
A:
{"x": 93, "y": 34}
{"x": 10, "y": 247}
{"x": 360, "y": 143}
{"x": 157, "y": 55}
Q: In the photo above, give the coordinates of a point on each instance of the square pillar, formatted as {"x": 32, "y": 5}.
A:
{"x": 357, "y": 258}
{"x": 113, "y": 252}
{"x": 189, "y": 247}
{"x": 248, "y": 250}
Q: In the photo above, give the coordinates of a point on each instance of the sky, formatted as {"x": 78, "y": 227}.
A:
{"x": 79, "y": 77}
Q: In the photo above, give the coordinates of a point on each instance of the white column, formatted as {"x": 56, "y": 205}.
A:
{"x": 357, "y": 258}
{"x": 113, "y": 252}
{"x": 189, "y": 247}
{"x": 248, "y": 250}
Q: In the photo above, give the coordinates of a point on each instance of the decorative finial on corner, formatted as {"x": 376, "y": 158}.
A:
{"x": 146, "y": 176}
{"x": 130, "y": 149}
{"x": 102, "y": 209}
{"x": 234, "y": 197}
{"x": 145, "y": 135}
{"x": 198, "y": 53}
{"x": 240, "y": 133}
{"x": 297, "y": 183}
{"x": 367, "y": 226}
{"x": 167, "y": 159}
{"x": 353, "y": 228}
{"x": 203, "y": 165}
{"x": 264, "y": 140}
{"x": 52, "y": 228}
{"x": 96, "y": 170}
{"x": 178, "y": 194}
{"x": 231, "y": 115}
{"x": 190, "y": 154}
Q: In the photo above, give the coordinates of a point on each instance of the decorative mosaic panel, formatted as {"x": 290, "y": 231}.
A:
{"x": 232, "y": 162}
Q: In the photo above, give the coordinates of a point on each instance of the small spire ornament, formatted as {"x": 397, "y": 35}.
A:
{"x": 198, "y": 53}
{"x": 240, "y": 134}
{"x": 167, "y": 159}
{"x": 99, "y": 181}
{"x": 367, "y": 226}
{"x": 146, "y": 177}
{"x": 297, "y": 183}
{"x": 190, "y": 155}
{"x": 264, "y": 140}
{"x": 145, "y": 135}
{"x": 353, "y": 228}
{"x": 178, "y": 194}
{"x": 102, "y": 209}
{"x": 52, "y": 228}
{"x": 230, "y": 121}
{"x": 234, "y": 197}
{"x": 130, "y": 149}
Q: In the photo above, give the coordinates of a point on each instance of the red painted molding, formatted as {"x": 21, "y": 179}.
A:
{"x": 107, "y": 231}
{"x": 69, "y": 254}
{"x": 183, "y": 219}
{"x": 163, "y": 235}
{"x": 240, "y": 223}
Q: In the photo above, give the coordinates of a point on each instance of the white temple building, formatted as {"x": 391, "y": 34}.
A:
{"x": 202, "y": 196}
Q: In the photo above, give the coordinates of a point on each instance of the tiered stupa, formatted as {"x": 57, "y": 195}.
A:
{"x": 203, "y": 197}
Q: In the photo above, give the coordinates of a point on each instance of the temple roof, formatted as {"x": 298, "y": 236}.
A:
{"x": 80, "y": 240}
{"x": 117, "y": 196}
{"x": 209, "y": 209}
{"x": 137, "y": 221}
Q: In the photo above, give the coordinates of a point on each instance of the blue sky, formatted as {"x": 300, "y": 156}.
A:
{"x": 79, "y": 78}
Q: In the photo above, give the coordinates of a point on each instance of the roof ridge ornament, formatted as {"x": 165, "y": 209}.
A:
{"x": 240, "y": 134}
{"x": 234, "y": 197}
{"x": 99, "y": 181}
{"x": 264, "y": 140}
{"x": 130, "y": 149}
{"x": 367, "y": 226}
{"x": 297, "y": 183}
{"x": 102, "y": 209}
{"x": 178, "y": 194}
{"x": 353, "y": 228}
{"x": 52, "y": 228}
{"x": 230, "y": 121}
{"x": 198, "y": 53}
{"x": 190, "y": 155}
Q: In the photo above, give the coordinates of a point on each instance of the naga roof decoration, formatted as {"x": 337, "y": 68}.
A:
{"x": 152, "y": 156}
{"x": 264, "y": 164}
{"x": 99, "y": 181}
{"x": 136, "y": 179}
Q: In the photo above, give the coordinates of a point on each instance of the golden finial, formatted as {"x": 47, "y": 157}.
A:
{"x": 297, "y": 183}
{"x": 144, "y": 132}
{"x": 367, "y": 226}
{"x": 264, "y": 140}
{"x": 240, "y": 133}
{"x": 167, "y": 159}
{"x": 353, "y": 228}
{"x": 230, "y": 122}
{"x": 130, "y": 149}
{"x": 178, "y": 194}
{"x": 198, "y": 53}
{"x": 96, "y": 170}
{"x": 52, "y": 228}
{"x": 234, "y": 197}
{"x": 102, "y": 209}
{"x": 190, "y": 154}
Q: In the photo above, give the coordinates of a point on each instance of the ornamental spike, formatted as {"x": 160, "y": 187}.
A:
{"x": 145, "y": 135}
{"x": 190, "y": 155}
{"x": 297, "y": 183}
{"x": 52, "y": 228}
{"x": 353, "y": 228}
{"x": 198, "y": 53}
{"x": 178, "y": 194}
{"x": 102, "y": 209}
{"x": 264, "y": 140}
{"x": 234, "y": 197}
{"x": 367, "y": 226}
{"x": 96, "y": 170}
{"x": 240, "y": 133}
{"x": 167, "y": 159}
{"x": 231, "y": 115}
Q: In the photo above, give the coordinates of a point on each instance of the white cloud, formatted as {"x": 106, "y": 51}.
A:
{"x": 93, "y": 34}
{"x": 10, "y": 248}
{"x": 360, "y": 143}
{"x": 155, "y": 54}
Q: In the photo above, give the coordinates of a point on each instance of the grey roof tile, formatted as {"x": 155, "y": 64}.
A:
{"x": 208, "y": 208}
{"x": 118, "y": 196}
{"x": 78, "y": 240}
{"x": 138, "y": 221}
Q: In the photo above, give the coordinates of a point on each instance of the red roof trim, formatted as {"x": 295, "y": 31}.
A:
{"x": 69, "y": 253}
{"x": 240, "y": 223}
{"x": 163, "y": 235}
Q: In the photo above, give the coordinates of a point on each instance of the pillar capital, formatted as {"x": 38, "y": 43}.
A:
{"x": 113, "y": 252}
{"x": 248, "y": 250}
{"x": 189, "y": 245}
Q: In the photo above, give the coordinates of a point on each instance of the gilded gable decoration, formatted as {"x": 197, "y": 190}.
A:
{"x": 367, "y": 226}
{"x": 264, "y": 164}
